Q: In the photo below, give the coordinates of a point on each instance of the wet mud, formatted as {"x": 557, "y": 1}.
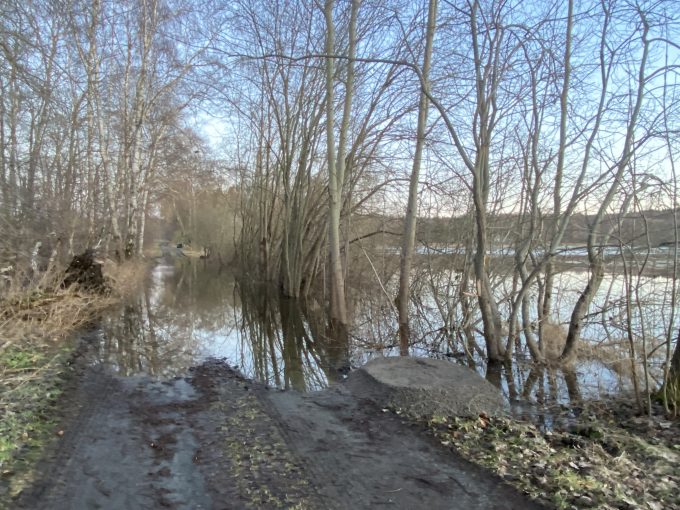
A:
{"x": 212, "y": 439}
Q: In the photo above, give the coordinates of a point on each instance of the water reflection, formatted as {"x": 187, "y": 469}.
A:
{"x": 188, "y": 313}
{"x": 279, "y": 338}
{"x": 160, "y": 332}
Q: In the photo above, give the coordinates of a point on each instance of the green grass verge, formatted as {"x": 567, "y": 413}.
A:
{"x": 31, "y": 381}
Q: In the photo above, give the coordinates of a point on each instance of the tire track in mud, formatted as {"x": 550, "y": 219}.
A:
{"x": 213, "y": 440}
{"x": 123, "y": 442}
{"x": 196, "y": 442}
{"x": 361, "y": 457}
{"x": 245, "y": 448}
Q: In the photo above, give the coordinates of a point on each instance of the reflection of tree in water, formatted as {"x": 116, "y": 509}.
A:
{"x": 130, "y": 342}
{"x": 155, "y": 333}
{"x": 289, "y": 341}
{"x": 166, "y": 328}
{"x": 200, "y": 296}
{"x": 548, "y": 388}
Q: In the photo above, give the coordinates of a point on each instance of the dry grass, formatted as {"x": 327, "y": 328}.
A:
{"x": 125, "y": 279}
{"x": 554, "y": 339}
{"x": 41, "y": 309}
{"x": 37, "y": 316}
{"x": 50, "y": 315}
{"x": 615, "y": 355}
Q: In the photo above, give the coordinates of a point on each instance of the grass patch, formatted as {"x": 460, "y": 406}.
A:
{"x": 31, "y": 379}
{"x": 38, "y": 321}
{"x": 266, "y": 473}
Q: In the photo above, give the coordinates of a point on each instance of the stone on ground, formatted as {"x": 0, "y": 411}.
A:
{"x": 426, "y": 387}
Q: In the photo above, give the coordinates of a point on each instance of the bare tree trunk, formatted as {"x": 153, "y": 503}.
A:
{"x": 13, "y": 143}
{"x": 95, "y": 127}
{"x": 408, "y": 245}
{"x": 672, "y": 364}
{"x": 142, "y": 223}
{"x": 671, "y": 387}
{"x": 486, "y": 48}
{"x": 597, "y": 240}
{"x": 546, "y": 310}
{"x": 34, "y": 258}
{"x": 341, "y": 160}
{"x": 134, "y": 165}
{"x": 338, "y": 305}
{"x": 37, "y": 130}
{"x": 4, "y": 187}
{"x": 485, "y": 89}
{"x": 108, "y": 183}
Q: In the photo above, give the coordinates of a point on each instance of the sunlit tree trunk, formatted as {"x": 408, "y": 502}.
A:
{"x": 487, "y": 51}
{"x": 410, "y": 220}
{"x": 596, "y": 238}
{"x": 545, "y": 310}
{"x": 338, "y": 304}
{"x": 486, "y": 84}
{"x": 134, "y": 163}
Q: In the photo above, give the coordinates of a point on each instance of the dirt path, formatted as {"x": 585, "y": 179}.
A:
{"x": 214, "y": 440}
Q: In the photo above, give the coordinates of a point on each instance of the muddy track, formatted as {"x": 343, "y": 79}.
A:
{"x": 215, "y": 440}
{"x": 368, "y": 458}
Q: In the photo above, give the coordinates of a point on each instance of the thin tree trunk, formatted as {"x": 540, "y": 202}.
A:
{"x": 671, "y": 387}
{"x": 546, "y": 310}
{"x": 408, "y": 245}
{"x": 338, "y": 305}
{"x": 596, "y": 240}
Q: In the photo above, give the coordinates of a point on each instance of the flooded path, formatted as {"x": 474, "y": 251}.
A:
{"x": 192, "y": 312}
{"x": 212, "y": 439}
{"x": 140, "y": 432}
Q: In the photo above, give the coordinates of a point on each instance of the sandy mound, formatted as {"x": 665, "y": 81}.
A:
{"x": 426, "y": 387}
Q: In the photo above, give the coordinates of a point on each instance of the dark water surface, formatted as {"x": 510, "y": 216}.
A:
{"x": 190, "y": 312}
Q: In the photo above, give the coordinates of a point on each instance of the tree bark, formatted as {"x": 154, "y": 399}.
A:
{"x": 671, "y": 390}
{"x": 597, "y": 240}
{"x": 408, "y": 245}
{"x": 338, "y": 305}
{"x": 485, "y": 91}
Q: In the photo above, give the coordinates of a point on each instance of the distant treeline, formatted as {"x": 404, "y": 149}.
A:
{"x": 638, "y": 229}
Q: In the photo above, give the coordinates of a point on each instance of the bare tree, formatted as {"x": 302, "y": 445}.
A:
{"x": 598, "y": 236}
{"x": 410, "y": 221}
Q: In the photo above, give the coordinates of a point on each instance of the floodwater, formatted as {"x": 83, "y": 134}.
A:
{"x": 189, "y": 312}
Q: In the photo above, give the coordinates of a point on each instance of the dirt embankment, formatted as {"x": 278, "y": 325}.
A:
{"x": 214, "y": 440}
